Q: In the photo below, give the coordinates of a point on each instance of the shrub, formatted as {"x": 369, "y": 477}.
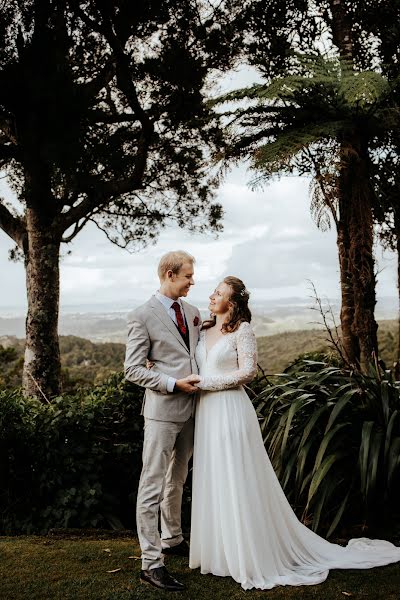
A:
{"x": 333, "y": 437}
{"x": 73, "y": 463}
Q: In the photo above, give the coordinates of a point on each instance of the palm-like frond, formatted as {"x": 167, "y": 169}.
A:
{"x": 284, "y": 124}
{"x": 293, "y": 140}
{"x": 319, "y": 77}
{"x": 277, "y": 121}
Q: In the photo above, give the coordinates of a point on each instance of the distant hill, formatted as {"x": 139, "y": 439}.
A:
{"x": 276, "y": 352}
{"x": 108, "y": 322}
{"x": 87, "y": 363}
{"x": 83, "y": 362}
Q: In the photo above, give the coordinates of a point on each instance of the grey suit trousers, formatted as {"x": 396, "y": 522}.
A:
{"x": 167, "y": 449}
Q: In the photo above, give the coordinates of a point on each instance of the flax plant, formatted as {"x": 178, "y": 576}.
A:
{"x": 333, "y": 436}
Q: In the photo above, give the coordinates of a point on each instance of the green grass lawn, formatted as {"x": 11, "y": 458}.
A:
{"x": 46, "y": 568}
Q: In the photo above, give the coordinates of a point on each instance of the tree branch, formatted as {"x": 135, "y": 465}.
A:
{"x": 108, "y": 236}
{"x": 98, "y": 116}
{"x": 114, "y": 240}
{"x": 99, "y": 194}
{"x": 336, "y": 342}
{"x": 12, "y": 226}
{"x": 82, "y": 210}
{"x": 78, "y": 228}
{"x": 124, "y": 79}
{"x": 92, "y": 88}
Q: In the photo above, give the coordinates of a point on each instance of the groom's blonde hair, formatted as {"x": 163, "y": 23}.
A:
{"x": 173, "y": 261}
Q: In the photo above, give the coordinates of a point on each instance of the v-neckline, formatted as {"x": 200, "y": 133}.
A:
{"x": 208, "y": 350}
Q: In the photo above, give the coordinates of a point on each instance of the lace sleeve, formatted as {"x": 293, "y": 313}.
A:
{"x": 247, "y": 364}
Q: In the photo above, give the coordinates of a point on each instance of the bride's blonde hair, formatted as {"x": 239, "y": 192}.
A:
{"x": 239, "y": 312}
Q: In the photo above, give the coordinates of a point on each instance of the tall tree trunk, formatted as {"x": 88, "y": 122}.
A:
{"x": 341, "y": 29}
{"x": 397, "y": 233}
{"x": 42, "y": 368}
{"x": 397, "y": 369}
{"x": 341, "y": 33}
{"x": 356, "y": 196}
{"x": 350, "y": 344}
{"x": 362, "y": 262}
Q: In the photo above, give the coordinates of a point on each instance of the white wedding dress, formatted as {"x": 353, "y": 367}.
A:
{"x": 242, "y": 524}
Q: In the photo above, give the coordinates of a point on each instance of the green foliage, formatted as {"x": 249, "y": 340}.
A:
{"x": 84, "y": 363}
{"x": 333, "y": 437}
{"x": 11, "y": 361}
{"x": 277, "y": 352}
{"x": 73, "y": 463}
{"x": 335, "y": 77}
{"x": 316, "y": 75}
{"x": 322, "y": 101}
{"x": 103, "y": 119}
{"x": 117, "y": 113}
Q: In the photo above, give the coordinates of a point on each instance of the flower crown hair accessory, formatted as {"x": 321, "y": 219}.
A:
{"x": 244, "y": 292}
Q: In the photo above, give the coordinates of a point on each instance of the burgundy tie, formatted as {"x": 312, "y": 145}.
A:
{"x": 179, "y": 318}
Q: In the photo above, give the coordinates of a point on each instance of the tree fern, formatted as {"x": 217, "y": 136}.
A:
{"x": 284, "y": 122}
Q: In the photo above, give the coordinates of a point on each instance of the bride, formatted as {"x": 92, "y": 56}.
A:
{"x": 242, "y": 524}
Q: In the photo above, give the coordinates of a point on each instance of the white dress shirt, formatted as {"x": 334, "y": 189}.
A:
{"x": 167, "y": 304}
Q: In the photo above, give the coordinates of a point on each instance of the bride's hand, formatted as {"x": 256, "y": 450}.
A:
{"x": 188, "y": 384}
{"x": 149, "y": 364}
{"x": 193, "y": 378}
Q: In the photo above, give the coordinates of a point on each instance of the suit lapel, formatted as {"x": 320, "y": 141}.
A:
{"x": 166, "y": 320}
{"x": 189, "y": 321}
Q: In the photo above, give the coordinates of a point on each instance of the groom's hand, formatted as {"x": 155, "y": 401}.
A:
{"x": 187, "y": 384}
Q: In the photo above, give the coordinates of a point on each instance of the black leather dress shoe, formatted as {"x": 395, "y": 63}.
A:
{"x": 181, "y": 549}
{"x": 161, "y": 579}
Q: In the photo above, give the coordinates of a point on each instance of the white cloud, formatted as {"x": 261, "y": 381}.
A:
{"x": 269, "y": 240}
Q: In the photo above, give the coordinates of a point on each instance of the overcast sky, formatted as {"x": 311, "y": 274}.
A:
{"x": 269, "y": 240}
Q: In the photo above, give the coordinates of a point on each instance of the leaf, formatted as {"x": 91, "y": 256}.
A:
{"x": 364, "y": 453}
{"x": 389, "y": 434}
{"x": 363, "y": 89}
{"x": 394, "y": 459}
{"x": 308, "y": 428}
{"x": 319, "y": 476}
{"x": 305, "y": 483}
{"x": 114, "y": 571}
{"x": 276, "y": 438}
{"x": 318, "y": 509}
{"x": 375, "y": 453}
{"x": 302, "y": 458}
{"x": 294, "y": 407}
{"x": 322, "y": 375}
{"x": 338, "y": 516}
{"x": 385, "y": 400}
{"x": 325, "y": 443}
{"x": 106, "y": 550}
{"x": 339, "y": 407}
{"x": 288, "y": 470}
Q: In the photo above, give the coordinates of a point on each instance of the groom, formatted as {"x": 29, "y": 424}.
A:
{"x": 165, "y": 331}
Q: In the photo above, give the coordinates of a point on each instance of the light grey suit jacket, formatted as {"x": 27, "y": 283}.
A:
{"x": 153, "y": 335}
